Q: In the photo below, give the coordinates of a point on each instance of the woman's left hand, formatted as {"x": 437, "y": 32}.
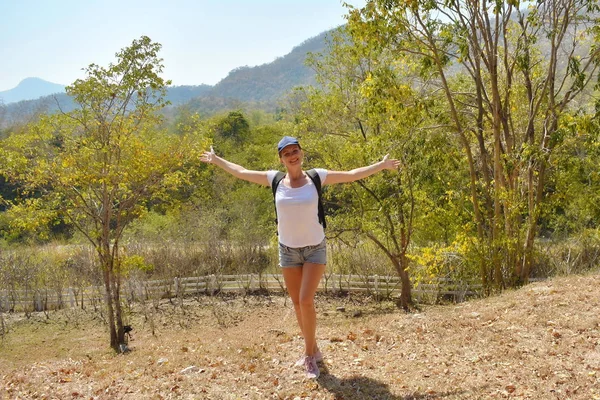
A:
{"x": 390, "y": 163}
{"x": 208, "y": 156}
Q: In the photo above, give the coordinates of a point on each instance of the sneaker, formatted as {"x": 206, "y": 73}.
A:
{"x": 312, "y": 369}
{"x": 318, "y": 358}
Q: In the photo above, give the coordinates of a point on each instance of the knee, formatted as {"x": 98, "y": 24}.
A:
{"x": 296, "y": 301}
{"x": 306, "y": 301}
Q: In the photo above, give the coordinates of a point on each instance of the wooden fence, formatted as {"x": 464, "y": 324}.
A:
{"x": 378, "y": 286}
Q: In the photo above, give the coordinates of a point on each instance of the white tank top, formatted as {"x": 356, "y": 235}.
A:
{"x": 297, "y": 212}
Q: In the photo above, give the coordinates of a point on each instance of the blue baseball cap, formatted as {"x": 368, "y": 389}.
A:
{"x": 285, "y": 142}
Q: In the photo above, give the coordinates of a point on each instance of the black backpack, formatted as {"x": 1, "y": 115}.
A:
{"x": 315, "y": 178}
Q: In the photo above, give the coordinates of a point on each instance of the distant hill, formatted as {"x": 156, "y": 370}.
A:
{"x": 28, "y": 110}
{"x": 182, "y": 94}
{"x": 262, "y": 86}
{"x": 269, "y": 82}
{"x": 30, "y": 89}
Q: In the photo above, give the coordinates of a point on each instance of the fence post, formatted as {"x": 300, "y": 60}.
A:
{"x": 213, "y": 284}
{"x": 71, "y": 295}
{"x": 4, "y": 300}
{"x": 37, "y": 301}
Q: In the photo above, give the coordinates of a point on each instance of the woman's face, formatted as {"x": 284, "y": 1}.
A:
{"x": 291, "y": 156}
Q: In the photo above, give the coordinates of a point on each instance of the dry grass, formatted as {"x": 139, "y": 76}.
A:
{"x": 538, "y": 342}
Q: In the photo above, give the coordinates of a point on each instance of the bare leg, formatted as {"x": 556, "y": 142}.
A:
{"x": 293, "y": 281}
{"x": 302, "y": 284}
{"x": 311, "y": 276}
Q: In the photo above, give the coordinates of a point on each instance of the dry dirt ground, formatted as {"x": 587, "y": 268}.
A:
{"x": 539, "y": 342}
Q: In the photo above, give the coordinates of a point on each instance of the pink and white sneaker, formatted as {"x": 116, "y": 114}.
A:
{"x": 312, "y": 369}
{"x": 318, "y": 358}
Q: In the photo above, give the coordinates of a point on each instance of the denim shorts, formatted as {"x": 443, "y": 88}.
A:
{"x": 296, "y": 257}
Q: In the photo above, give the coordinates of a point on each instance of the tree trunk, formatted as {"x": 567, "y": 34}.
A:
{"x": 114, "y": 342}
{"x": 118, "y": 311}
{"x": 401, "y": 265}
{"x": 532, "y": 227}
{"x": 400, "y": 262}
{"x": 113, "y": 302}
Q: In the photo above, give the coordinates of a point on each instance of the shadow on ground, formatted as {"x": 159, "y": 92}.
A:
{"x": 361, "y": 387}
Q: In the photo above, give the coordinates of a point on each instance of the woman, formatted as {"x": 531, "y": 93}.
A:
{"x": 302, "y": 247}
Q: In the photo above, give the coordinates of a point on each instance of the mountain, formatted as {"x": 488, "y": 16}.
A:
{"x": 182, "y": 94}
{"x": 269, "y": 82}
{"x": 29, "y": 89}
{"x": 260, "y": 86}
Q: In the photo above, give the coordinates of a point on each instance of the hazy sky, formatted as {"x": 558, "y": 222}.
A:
{"x": 202, "y": 39}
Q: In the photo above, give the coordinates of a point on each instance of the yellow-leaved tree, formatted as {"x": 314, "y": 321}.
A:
{"x": 99, "y": 165}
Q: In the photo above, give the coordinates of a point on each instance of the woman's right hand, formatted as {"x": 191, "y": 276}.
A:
{"x": 390, "y": 163}
{"x": 208, "y": 156}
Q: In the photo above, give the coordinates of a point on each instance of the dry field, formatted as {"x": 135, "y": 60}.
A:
{"x": 539, "y": 342}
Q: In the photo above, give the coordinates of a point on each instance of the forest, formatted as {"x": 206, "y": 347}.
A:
{"x": 493, "y": 109}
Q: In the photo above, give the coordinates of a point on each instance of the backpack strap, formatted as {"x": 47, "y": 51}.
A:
{"x": 274, "y": 184}
{"x": 314, "y": 176}
{"x": 276, "y": 179}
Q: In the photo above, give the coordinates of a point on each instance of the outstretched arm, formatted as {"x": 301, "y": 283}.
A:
{"x": 238, "y": 171}
{"x": 362, "y": 172}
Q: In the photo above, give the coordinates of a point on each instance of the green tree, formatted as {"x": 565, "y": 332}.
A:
{"x": 507, "y": 73}
{"x": 362, "y": 110}
{"x": 246, "y": 210}
{"x": 101, "y": 164}
{"x": 233, "y": 127}
{"x": 574, "y": 187}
